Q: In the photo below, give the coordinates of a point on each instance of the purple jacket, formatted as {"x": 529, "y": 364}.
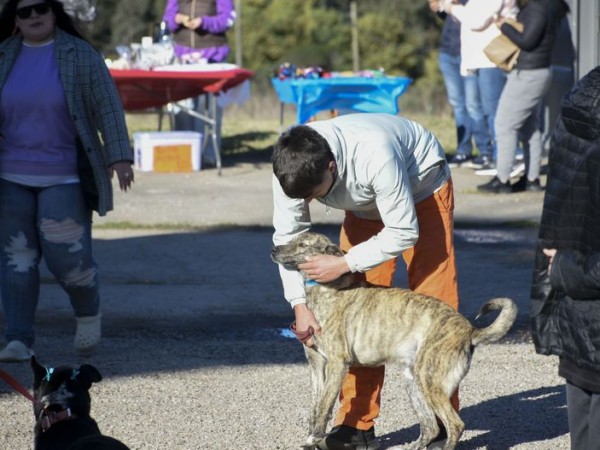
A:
{"x": 217, "y": 24}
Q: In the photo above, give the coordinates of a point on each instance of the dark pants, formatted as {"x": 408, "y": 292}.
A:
{"x": 583, "y": 409}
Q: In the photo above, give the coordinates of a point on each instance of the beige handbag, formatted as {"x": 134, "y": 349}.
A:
{"x": 502, "y": 51}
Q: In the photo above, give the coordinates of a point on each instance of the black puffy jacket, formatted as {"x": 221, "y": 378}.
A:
{"x": 540, "y": 19}
{"x": 565, "y": 304}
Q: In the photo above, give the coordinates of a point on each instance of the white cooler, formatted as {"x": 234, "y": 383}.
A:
{"x": 167, "y": 151}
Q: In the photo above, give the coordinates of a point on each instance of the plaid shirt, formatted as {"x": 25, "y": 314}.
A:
{"x": 94, "y": 105}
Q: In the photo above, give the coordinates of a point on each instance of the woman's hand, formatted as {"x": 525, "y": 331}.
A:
{"x": 193, "y": 24}
{"x": 124, "y": 174}
{"x": 324, "y": 268}
{"x": 181, "y": 19}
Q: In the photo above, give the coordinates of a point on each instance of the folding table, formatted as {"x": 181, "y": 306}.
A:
{"x": 158, "y": 88}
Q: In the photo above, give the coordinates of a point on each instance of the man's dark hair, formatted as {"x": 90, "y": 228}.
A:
{"x": 300, "y": 158}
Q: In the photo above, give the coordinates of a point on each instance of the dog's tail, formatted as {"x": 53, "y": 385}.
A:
{"x": 500, "y": 326}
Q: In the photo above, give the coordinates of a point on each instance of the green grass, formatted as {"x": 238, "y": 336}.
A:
{"x": 252, "y": 129}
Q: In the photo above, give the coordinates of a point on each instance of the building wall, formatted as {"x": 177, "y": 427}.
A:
{"x": 585, "y": 17}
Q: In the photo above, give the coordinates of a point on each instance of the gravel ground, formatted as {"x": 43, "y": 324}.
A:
{"x": 193, "y": 355}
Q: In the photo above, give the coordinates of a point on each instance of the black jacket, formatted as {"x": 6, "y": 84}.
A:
{"x": 540, "y": 19}
{"x": 565, "y": 304}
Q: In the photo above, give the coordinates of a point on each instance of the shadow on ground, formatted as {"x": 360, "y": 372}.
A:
{"x": 252, "y": 147}
{"x": 175, "y": 301}
{"x": 508, "y": 421}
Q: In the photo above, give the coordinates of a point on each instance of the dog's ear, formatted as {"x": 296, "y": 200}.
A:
{"x": 333, "y": 250}
{"x": 39, "y": 372}
{"x": 87, "y": 374}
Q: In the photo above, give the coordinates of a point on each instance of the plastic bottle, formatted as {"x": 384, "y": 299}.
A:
{"x": 163, "y": 34}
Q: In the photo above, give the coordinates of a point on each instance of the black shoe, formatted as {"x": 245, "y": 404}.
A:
{"x": 458, "y": 160}
{"x": 495, "y": 186}
{"x": 534, "y": 186}
{"x": 344, "y": 437}
{"x": 525, "y": 185}
{"x": 482, "y": 162}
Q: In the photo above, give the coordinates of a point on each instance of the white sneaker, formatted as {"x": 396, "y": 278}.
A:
{"x": 487, "y": 172}
{"x": 88, "y": 334}
{"x": 518, "y": 169}
{"x": 15, "y": 351}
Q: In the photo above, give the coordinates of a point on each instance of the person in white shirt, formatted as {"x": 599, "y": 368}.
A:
{"x": 484, "y": 80}
{"x": 390, "y": 176}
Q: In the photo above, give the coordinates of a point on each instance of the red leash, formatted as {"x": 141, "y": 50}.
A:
{"x": 302, "y": 336}
{"x": 17, "y": 386}
{"x": 46, "y": 418}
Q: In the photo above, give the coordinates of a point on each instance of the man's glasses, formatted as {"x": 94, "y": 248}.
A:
{"x": 25, "y": 11}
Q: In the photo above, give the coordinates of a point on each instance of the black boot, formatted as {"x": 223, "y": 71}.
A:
{"x": 344, "y": 437}
{"x": 525, "y": 185}
{"x": 495, "y": 186}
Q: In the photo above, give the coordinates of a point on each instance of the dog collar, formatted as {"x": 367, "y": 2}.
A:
{"x": 310, "y": 283}
{"x": 49, "y": 418}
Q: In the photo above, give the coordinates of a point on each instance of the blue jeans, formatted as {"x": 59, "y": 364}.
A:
{"x": 484, "y": 87}
{"x": 455, "y": 89}
{"x": 56, "y": 223}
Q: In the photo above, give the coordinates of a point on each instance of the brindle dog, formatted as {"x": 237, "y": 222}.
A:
{"x": 365, "y": 325}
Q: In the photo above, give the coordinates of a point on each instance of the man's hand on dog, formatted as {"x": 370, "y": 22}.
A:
{"x": 305, "y": 319}
{"x": 324, "y": 268}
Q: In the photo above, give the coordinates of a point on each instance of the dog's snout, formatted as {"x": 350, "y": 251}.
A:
{"x": 276, "y": 253}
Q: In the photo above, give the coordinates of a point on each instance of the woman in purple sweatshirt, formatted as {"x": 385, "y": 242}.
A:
{"x": 199, "y": 27}
{"x": 63, "y": 136}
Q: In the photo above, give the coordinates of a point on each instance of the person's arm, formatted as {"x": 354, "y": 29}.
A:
{"x": 110, "y": 120}
{"x": 476, "y": 14}
{"x": 290, "y": 217}
{"x": 533, "y": 18}
{"x": 171, "y": 15}
{"x": 222, "y": 21}
{"x": 575, "y": 274}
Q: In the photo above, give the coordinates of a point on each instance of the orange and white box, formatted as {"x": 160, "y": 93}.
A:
{"x": 167, "y": 151}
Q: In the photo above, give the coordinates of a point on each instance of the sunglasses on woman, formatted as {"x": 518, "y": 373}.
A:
{"x": 25, "y": 11}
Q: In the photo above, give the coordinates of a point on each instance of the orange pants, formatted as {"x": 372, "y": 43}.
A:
{"x": 431, "y": 270}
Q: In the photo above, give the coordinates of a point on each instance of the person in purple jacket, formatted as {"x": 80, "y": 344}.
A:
{"x": 198, "y": 28}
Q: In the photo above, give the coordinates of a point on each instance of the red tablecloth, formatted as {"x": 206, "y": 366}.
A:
{"x": 140, "y": 89}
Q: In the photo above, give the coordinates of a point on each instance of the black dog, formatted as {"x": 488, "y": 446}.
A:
{"x": 62, "y": 409}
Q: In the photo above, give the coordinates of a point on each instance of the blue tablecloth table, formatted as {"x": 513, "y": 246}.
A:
{"x": 360, "y": 94}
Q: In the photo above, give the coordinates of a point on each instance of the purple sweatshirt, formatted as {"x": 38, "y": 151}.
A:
{"x": 39, "y": 134}
{"x": 219, "y": 23}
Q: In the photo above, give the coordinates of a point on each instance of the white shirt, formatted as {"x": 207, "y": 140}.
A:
{"x": 478, "y": 29}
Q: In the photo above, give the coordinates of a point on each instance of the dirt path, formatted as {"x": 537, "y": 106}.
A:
{"x": 193, "y": 356}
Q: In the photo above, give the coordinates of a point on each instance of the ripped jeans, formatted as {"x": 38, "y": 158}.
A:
{"x": 56, "y": 223}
